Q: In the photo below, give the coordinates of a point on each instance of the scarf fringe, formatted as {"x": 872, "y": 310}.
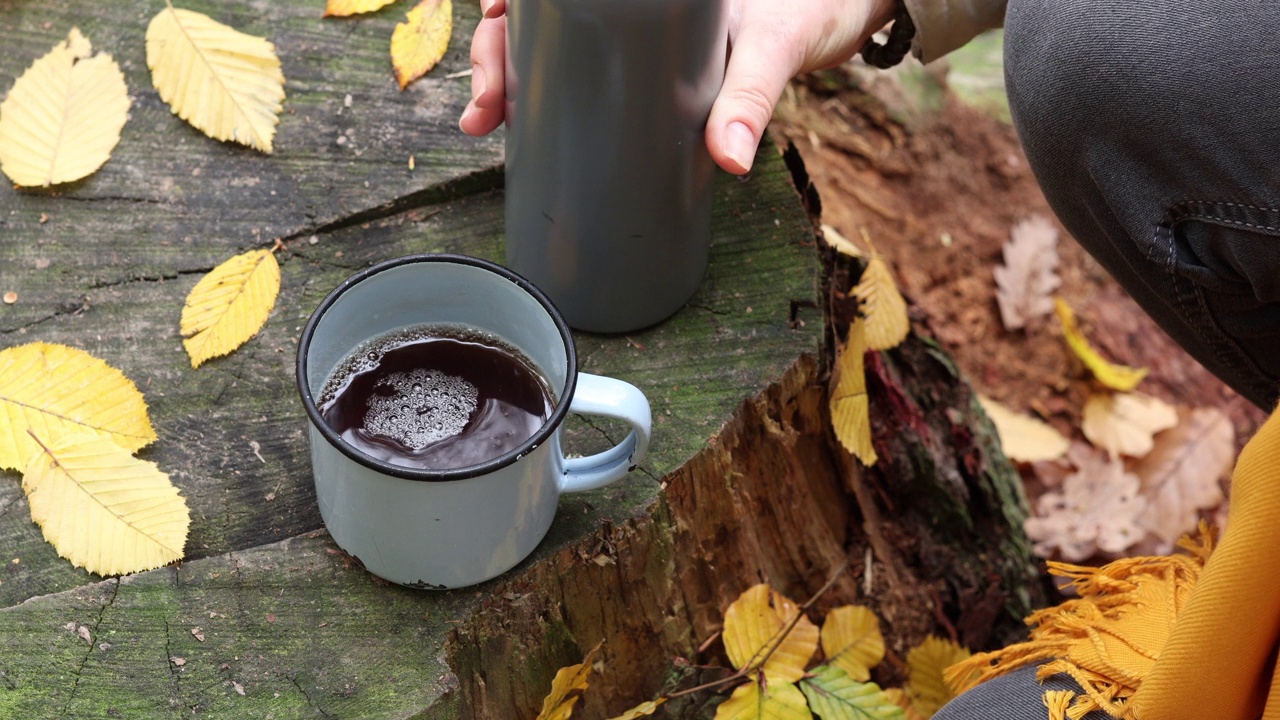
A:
{"x": 1105, "y": 594}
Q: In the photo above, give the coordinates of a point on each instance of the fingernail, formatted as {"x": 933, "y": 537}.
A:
{"x": 477, "y": 83}
{"x": 485, "y": 6}
{"x": 740, "y": 144}
{"x": 471, "y": 107}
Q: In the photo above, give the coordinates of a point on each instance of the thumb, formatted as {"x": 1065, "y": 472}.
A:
{"x": 760, "y": 65}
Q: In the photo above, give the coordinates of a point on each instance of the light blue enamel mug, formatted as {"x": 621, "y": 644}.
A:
{"x": 457, "y": 527}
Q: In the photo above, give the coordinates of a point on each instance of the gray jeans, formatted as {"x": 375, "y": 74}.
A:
{"x": 1154, "y": 130}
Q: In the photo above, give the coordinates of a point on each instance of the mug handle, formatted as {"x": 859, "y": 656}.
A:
{"x": 597, "y": 395}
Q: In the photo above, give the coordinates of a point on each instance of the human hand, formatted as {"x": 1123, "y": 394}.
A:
{"x": 771, "y": 41}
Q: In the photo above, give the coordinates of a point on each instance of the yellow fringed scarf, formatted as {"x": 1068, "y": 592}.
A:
{"x": 1187, "y": 637}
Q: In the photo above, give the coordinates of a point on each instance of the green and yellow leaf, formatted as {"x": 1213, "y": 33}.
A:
{"x": 63, "y": 116}
{"x": 56, "y": 391}
{"x": 225, "y": 83}
{"x": 345, "y": 8}
{"x": 229, "y": 305}
{"x": 753, "y": 625}
{"x": 644, "y": 709}
{"x": 779, "y": 701}
{"x": 103, "y": 509}
{"x": 883, "y": 307}
{"x": 849, "y": 405}
{"x": 926, "y": 663}
{"x": 1024, "y": 438}
{"x": 1117, "y": 377}
{"x": 417, "y": 45}
{"x": 852, "y": 641}
{"x": 567, "y": 686}
{"x": 833, "y": 695}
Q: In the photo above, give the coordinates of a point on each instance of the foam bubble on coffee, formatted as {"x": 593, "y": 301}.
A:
{"x": 424, "y": 407}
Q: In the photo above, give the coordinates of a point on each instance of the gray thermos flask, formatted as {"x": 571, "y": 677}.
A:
{"x": 608, "y": 179}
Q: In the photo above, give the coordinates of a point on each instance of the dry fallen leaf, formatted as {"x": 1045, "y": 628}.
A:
{"x": 224, "y": 82}
{"x": 1180, "y": 475}
{"x": 777, "y": 701}
{"x": 851, "y": 640}
{"x": 849, "y": 405}
{"x": 345, "y": 8}
{"x": 229, "y": 305}
{"x": 420, "y": 43}
{"x": 103, "y": 509}
{"x": 899, "y": 697}
{"x": 833, "y": 695}
{"x": 926, "y": 663}
{"x": 751, "y": 626}
{"x": 1117, "y": 377}
{"x": 1024, "y": 438}
{"x": 63, "y": 116}
{"x": 840, "y": 243}
{"x": 1026, "y": 281}
{"x": 883, "y": 308}
{"x": 567, "y": 686}
{"x": 57, "y": 391}
{"x": 644, "y": 709}
{"x": 1096, "y": 508}
{"x": 1126, "y": 423}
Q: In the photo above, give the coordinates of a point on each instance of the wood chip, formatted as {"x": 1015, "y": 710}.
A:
{"x": 178, "y": 661}
{"x": 10, "y": 297}
{"x": 197, "y": 634}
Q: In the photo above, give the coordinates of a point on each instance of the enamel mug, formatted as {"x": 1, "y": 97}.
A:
{"x": 452, "y": 528}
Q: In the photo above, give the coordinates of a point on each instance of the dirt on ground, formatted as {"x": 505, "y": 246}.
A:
{"x": 937, "y": 185}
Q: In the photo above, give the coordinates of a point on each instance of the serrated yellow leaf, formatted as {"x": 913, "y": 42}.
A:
{"x": 852, "y": 641}
{"x": 899, "y": 697}
{"x": 926, "y": 663}
{"x": 56, "y": 391}
{"x": 1126, "y": 423}
{"x": 644, "y": 709}
{"x": 63, "y": 116}
{"x": 567, "y": 686}
{"x": 753, "y": 624}
{"x": 779, "y": 701}
{"x": 416, "y": 46}
{"x": 1116, "y": 377}
{"x": 1024, "y": 438}
{"x": 103, "y": 509}
{"x": 849, "y": 405}
{"x": 229, "y": 305}
{"x": 833, "y": 695}
{"x": 344, "y": 8}
{"x": 225, "y": 83}
{"x": 883, "y": 308}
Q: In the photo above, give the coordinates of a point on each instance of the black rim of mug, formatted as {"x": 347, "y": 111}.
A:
{"x": 462, "y": 473}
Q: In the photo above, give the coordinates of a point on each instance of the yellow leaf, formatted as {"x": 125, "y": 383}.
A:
{"x": 900, "y": 698}
{"x": 416, "y": 46}
{"x": 1126, "y": 423}
{"x": 644, "y": 709}
{"x": 224, "y": 82}
{"x": 779, "y": 701}
{"x": 925, "y": 665}
{"x": 103, "y": 509}
{"x": 343, "y": 8}
{"x": 1024, "y": 438}
{"x": 840, "y": 243}
{"x": 882, "y": 305}
{"x": 849, "y": 405}
{"x": 55, "y": 391}
{"x": 752, "y": 626}
{"x": 567, "y": 686}
{"x": 852, "y": 641}
{"x": 63, "y": 116}
{"x": 1116, "y": 377}
{"x": 229, "y": 305}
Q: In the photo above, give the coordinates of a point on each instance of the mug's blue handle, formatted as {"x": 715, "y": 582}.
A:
{"x": 596, "y": 395}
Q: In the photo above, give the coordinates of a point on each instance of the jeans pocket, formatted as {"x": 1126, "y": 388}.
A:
{"x": 1225, "y": 247}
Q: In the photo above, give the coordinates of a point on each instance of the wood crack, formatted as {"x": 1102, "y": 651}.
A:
{"x": 93, "y": 635}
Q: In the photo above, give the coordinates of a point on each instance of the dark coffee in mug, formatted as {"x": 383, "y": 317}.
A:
{"x": 436, "y": 397}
